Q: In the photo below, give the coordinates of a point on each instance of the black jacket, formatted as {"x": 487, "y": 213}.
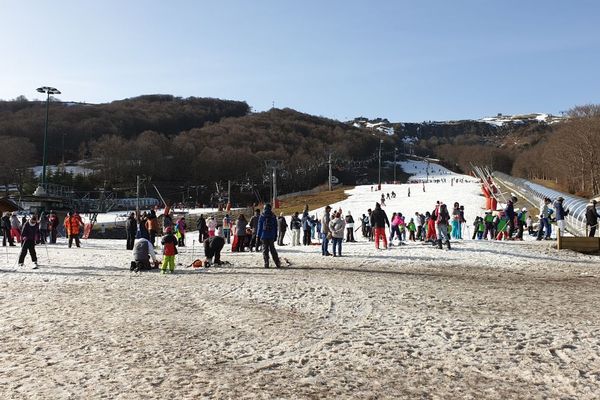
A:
{"x": 131, "y": 225}
{"x": 295, "y": 223}
{"x": 281, "y": 224}
{"x": 591, "y": 215}
{"x": 379, "y": 218}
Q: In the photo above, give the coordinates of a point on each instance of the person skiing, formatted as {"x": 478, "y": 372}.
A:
{"x": 266, "y": 232}
{"x": 130, "y": 230}
{"x": 29, "y": 235}
{"x": 281, "y": 229}
{"x": 169, "y": 244}
{"x": 379, "y": 221}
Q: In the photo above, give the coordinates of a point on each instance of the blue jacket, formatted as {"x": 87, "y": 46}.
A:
{"x": 560, "y": 210}
{"x": 267, "y": 226}
{"x": 510, "y": 210}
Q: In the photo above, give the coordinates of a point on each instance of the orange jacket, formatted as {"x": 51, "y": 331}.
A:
{"x": 72, "y": 224}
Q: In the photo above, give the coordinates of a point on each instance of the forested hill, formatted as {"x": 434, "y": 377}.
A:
{"x": 183, "y": 142}
{"x": 81, "y": 123}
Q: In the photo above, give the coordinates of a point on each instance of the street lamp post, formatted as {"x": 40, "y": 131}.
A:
{"x": 48, "y": 90}
{"x": 380, "y": 143}
{"x": 395, "y": 151}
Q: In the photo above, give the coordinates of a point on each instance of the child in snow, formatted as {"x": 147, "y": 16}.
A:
{"x": 169, "y": 243}
{"x": 411, "y": 229}
{"x": 180, "y": 229}
{"x": 29, "y": 235}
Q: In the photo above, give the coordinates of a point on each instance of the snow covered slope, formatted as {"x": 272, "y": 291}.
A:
{"x": 444, "y": 185}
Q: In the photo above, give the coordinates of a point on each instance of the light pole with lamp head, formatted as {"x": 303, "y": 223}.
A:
{"x": 380, "y": 143}
{"x": 41, "y": 190}
{"x": 395, "y": 151}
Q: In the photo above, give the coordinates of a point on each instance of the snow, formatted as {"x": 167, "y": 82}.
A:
{"x": 483, "y": 320}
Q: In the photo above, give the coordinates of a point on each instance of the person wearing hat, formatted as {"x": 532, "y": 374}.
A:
{"x": 379, "y": 221}
{"x": 545, "y": 230}
{"x": 169, "y": 243}
{"x": 29, "y": 235}
{"x": 349, "y": 228}
{"x": 131, "y": 230}
{"x": 295, "y": 225}
{"x": 591, "y": 218}
{"x": 521, "y": 221}
{"x": 281, "y": 228}
{"x": 325, "y": 231}
{"x": 267, "y": 233}
{"x": 561, "y": 213}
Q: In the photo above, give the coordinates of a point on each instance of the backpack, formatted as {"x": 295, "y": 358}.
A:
{"x": 268, "y": 225}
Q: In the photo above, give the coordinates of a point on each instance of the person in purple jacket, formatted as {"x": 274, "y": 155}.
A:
{"x": 29, "y": 235}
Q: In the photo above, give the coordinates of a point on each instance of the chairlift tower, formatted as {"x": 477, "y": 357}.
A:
{"x": 274, "y": 165}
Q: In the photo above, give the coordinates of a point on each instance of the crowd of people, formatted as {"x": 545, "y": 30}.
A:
{"x": 264, "y": 230}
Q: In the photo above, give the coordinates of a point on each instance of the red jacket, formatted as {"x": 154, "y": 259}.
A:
{"x": 169, "y": 242}
{"x": 72, "y": 224}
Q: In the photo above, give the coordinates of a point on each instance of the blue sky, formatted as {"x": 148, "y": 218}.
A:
{"x": 402, "y": 60}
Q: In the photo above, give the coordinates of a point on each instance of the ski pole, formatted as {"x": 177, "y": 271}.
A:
{"x": 193, "y": 248}
{"x": 47, "y": 254}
